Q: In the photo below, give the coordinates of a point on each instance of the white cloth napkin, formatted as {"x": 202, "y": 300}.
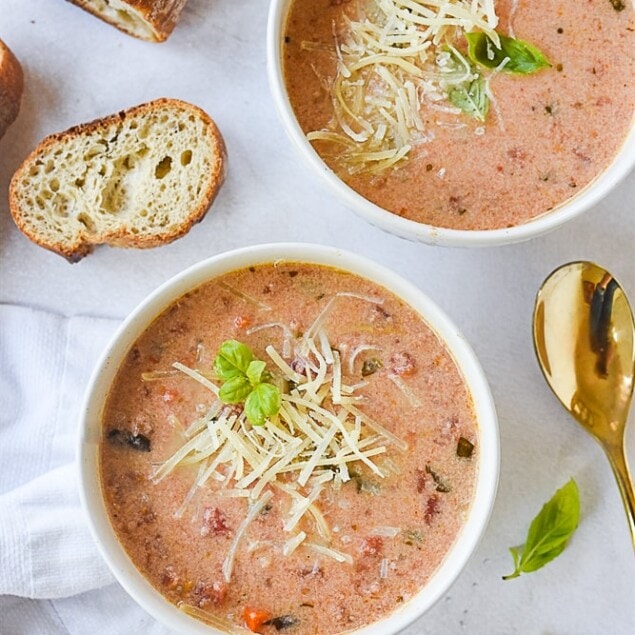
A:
{"x": 45, "y": 361}
{"x": 52, "y": 579}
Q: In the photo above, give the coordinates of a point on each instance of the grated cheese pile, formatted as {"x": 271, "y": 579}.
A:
{"x": 318, "y": 432}
{"x": 393, "y": 59}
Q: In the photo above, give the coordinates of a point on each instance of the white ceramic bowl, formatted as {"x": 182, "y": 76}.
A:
{"x": 585, "y": 198}
{"x": 90, "y": 430}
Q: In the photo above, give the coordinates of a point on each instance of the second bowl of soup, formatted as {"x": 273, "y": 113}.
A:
{"x": 458, "y": 122}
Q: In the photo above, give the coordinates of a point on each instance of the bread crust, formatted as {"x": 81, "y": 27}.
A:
{"x": 11, "y": 87}
{"x": 121, "y": 237}
{"x": 160, "y": 15}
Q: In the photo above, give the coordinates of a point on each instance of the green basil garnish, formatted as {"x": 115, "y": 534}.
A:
{"x": 263, "y": 402}
{"x": 471, "y": 98}
{"x": 244, "y": 381}
{"x": 235, "y": 390}
{"x": 549, "y": 531}
{"x": 255, "y": 372}
{"x": 232, "y": 360}
{"x": 524, "y": 58}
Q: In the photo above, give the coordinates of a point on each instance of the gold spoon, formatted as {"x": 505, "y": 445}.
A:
{"x": 584, "y": 339}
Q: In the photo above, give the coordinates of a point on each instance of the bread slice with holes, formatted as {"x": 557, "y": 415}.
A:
{"x": 151, "y": 20}
{"x": 11, "y": 87}
{"x": 139, "y": 178}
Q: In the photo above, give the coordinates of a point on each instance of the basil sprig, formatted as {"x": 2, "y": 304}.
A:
{"x": 471, "y": 98}
{"x": 549, "y": 531}
{"x": 524, "y": 58}
{"x": 245, "y": 381}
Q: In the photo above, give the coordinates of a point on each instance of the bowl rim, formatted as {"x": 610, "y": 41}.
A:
{"x": 108, "y": 545}
{"x": 621, "y": 165}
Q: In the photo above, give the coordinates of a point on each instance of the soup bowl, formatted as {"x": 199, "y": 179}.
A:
{"x": 585, "y": 198}
{"x": 103, "y": 376}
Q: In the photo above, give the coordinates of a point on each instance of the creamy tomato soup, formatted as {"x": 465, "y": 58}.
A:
{"x": 503, "y": 149}
{"x": 335, "y": 511}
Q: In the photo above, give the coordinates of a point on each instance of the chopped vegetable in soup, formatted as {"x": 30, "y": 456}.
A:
{"x": 288, "y": 448}
{"x": 464, "y": 114}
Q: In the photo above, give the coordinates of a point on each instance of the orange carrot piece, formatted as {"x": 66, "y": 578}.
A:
{"x": 255, "y": 619}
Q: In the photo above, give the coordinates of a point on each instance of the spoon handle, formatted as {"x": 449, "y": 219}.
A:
{"x": 617, "y": 458}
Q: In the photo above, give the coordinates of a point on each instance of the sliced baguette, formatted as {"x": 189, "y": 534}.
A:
{"x": 151, "y": 20}
{"x": 11, "y": 87}
{"x": 139, "y": 178}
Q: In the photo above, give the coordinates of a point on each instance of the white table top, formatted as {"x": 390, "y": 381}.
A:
{"x": 78, "y": 68}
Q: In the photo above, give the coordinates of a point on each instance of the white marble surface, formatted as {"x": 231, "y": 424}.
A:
{"x": 78, "y": 68}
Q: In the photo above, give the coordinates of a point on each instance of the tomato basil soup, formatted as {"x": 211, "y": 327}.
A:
{"x": 466, "y": 137}
{"x": 318, "y": 505}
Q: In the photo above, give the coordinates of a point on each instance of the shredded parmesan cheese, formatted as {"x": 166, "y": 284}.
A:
{"x": 217, "y": 622}
{"x": 320, "y": 522}
{"x": 244, "y": 296}
{"x": 331, "y": 553}
{"x": 389, "y": 532}
{"x": 293, "y": 543}
{"x": 228, "y": 563}
{"x": 490, "y": 94}
{"x": 414, "y": 401}
{"x": 181, "y": 510}
{"x": 158, "y": 374}
{"x": 304, "y": 449}
{"x": 288, "y": 372}
{"x": 288, "y": 335}
{"x": 196, "y": 375}
{"x": 359, "y": 349}
{"x": 390, "y": 61}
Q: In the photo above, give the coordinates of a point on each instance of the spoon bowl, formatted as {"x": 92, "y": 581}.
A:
{"x": 584, "y": 337}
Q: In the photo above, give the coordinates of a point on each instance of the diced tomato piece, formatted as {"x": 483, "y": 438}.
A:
{"x": 169, "y": 578}
{"x": 242, "y": 322}
{"x": 449, "y": 431}
{"x": 421, "y": 480}
{"x": 372, "y": 546}
{"x": 255, "y": 619}
{"x": 432, "y": 509}
{"x": 209, "y": 594}
{"x": 402, "y": 363}
{"x": 170, "y": 395}
{"x": 214, "y": 522}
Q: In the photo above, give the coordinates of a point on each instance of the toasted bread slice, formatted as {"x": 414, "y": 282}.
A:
{"x": 11, "y": 87}
{"x": 139, "y": 178}
{"x": 151, "y": 20}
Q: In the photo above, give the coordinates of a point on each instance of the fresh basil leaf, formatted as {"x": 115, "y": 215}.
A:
{"x": 515, "y": 551}
{"x": 235, "y": 390}
{"x": 471, "y": 98}
{"x": 549, "y": 531}
{"x": 225, "y": 370}
{"x": 254, "y": 371}
{"x": 524, "y": 58}
{"x": 243, "y": 381}
{"x": 262, "y": 403}
{"x": 232, "y": 360}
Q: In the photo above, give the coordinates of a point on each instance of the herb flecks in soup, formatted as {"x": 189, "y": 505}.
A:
{"x": 460, "y": 114}
{"x": 327, "y": 512}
